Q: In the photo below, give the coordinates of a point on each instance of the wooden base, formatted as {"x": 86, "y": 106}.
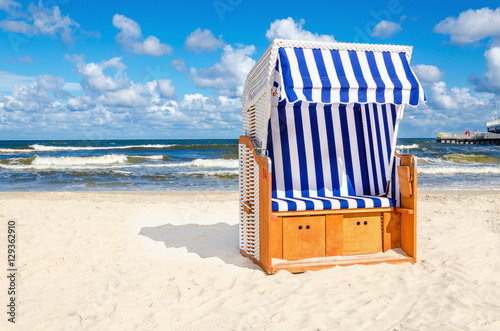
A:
{"x": 329, "y": 262}
{"x": 298, "y": 266}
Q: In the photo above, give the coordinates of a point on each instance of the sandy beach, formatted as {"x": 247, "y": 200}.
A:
{"x": 170, "y": 261}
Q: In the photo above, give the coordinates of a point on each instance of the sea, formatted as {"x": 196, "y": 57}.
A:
{"x": 204, "y": 165}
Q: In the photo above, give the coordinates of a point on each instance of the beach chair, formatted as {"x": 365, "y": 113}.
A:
{"x": 320, "y": 182}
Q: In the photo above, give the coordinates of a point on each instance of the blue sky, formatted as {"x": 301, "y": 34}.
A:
{"x": 74, "y": 69}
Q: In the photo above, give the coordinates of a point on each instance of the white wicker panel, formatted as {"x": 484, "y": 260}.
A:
{"x": 249, "y": 188}
{"x": 256, "y": 210}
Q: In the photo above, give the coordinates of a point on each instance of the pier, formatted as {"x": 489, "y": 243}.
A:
{"x": 475, "y": 138}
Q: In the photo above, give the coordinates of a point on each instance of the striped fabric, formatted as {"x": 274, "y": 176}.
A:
{"x": 333, "y": 76}
{"x": 330, "y": 156}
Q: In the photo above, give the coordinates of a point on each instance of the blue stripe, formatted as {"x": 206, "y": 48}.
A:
{"x": 285, "y": 152}
{"x": 398, "y": 87}
{"x": 286, "y": 73}
{"x": 330, "y": 137}
{"x": 346, "y": 137}
{"x": 415, "y": 91}
{"x": 320, "y": 183}
{"x": 304, "y": 73}
{"x": 301, "y": 150}
{"x": 358, "y": 73}
{"x": 380, "y": 92}
{"x": 323, "y": 75}
{"x": 363, "y": 163}
{"x": 344, "y": 83}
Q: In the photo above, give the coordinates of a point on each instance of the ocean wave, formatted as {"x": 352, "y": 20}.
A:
{"x": 455, "y": 158}
{"x": 110, "y": 161}
{"x": 215, "y": 163}
{"x": 479, "y": 170}
{"x": 45, "y": 148}
{"x": 412, "y": 146}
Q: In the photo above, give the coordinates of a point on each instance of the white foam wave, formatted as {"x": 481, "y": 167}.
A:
{"x": 77, "y": 161}
{"x": 459, "y": 170}
{"x": 115, "y": 161}
{"x": 412, "y": 146}
{"x": 44, "y": 148}
{"x": 215, "y": 163}
{"x": 13, "y": 150}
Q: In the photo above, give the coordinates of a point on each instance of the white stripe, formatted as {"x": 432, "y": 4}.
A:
{"x": 294, "y": 156}
{"x": 368, "y": 150}
{"x": 371, "y": 92}
{"x": 332, "y": 76}
{"x": 400, "y": 71}
{"x": 278, "y": 160}
{"x": 349, "y": 73}
{"x": 353, "y": 140}
{"x": 382, "y": 134}
{"x": 389, "y": 86}
{"x": 325, "y": 158}
{"x": 376, "y": 154}
{"x": 312, "y": 67}
{"x": 343, "y": 187}
{"x": 298, "y": 83}
{"x": 309, "y": 150}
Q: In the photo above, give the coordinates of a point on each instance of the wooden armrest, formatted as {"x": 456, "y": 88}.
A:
{"x": 263, "y": 161}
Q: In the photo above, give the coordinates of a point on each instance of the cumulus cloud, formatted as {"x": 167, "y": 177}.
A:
{"x": 40, "y": 94}
{"x": 179, "y": 65}
{"x": 8, "y": 80}
{"x": 386, "y": 29}
{"x": 130, "y": 37}
{"x": 8, "y": 5}
{"x": 447, "y": 111}
{"x": 106, "y": 103}
{"x": 490, "y": 81}
{"x": 428, "y": 73}
{"x": 289, "y": 29}
{"x": 39, "y": 20}
{"x": 471, "y": 26}
{"x": 166, "y": 88}
{"x": 228, "y": 76}
{"x": 203, "y": 41}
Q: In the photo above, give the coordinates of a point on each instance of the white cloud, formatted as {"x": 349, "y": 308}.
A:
{"x": 26, "y": 59}
{"x": 471, "y": 26}
{"x": 427, "y": 73}
{"x": 130, "y": 37}
{"x": 386, "y": 29}
{"x": 15, "y": 26}
{"x": 179, "y": 65}
{"x": 289, "y": 29}
{"x": 8, "y": 80}
{"x": 447, "y": 111}
{"x": 203, "y": 41}
{"x": 166, "y": 88}
{"x": 8, "y": 5}
{"x": 39, "y": 20}
{"x": 490, "y": 81}
{"x": 109, "y": 104}
{"x": 228, "y": 76}
{"x": 40, "y": 94}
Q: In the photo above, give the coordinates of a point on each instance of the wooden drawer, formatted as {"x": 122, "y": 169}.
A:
{"x": 362, "y": 234}
{"x": 303, "y": 237}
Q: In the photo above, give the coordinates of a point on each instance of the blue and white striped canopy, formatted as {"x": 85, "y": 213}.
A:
{"x": 342, "y": 76}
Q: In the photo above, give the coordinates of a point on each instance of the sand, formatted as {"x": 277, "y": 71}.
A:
{"x": 170, "y": 261}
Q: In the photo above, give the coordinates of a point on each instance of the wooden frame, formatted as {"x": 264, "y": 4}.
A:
{"x": 398, "y": 227}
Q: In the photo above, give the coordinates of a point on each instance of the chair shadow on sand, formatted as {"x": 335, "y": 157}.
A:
{"x": 218, "y": 240}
